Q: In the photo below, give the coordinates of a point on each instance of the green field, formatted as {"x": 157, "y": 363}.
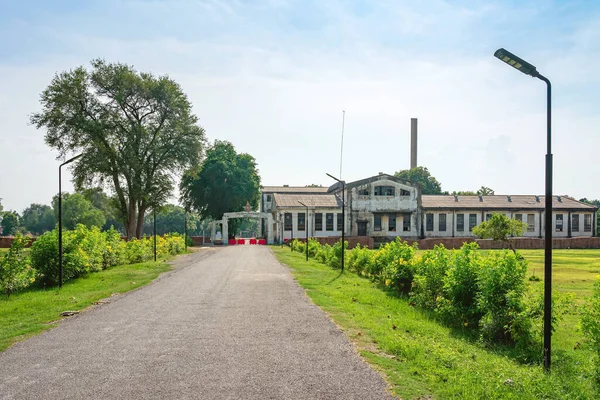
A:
{"x": 421, "y": 357}
{"x": 32, "y": 311}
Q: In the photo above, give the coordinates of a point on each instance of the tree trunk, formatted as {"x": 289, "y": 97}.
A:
{"x": 140, "y": 222}
{"x": 130, "y": 221}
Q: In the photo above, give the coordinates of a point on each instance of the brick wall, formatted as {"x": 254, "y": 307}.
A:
{"x": 197, "y": 240}
{"x": 6, "y": 241}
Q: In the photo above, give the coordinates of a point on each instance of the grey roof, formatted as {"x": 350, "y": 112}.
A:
{"x": 311, "y": 200}
{"x": 520, "y": 202}
{"x": 293, "y": 189}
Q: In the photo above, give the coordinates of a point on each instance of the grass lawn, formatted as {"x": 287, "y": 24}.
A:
{"x": 29, "y": 312}
{"x": 421, "y": 357}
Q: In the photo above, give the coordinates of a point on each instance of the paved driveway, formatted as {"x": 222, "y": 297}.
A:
{"x": 229, "y": 323}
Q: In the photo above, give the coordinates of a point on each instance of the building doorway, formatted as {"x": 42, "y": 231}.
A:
{"x": 362, "y": 228}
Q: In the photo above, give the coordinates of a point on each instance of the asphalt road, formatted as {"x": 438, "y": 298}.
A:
{"x": 226, "y": 324}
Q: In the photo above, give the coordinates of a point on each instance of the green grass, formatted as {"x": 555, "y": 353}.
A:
{"x": 32, "y": 311}
{"x": 422, "y": 357}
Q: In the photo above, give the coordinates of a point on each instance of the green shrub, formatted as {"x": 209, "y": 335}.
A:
{"x": 458, "y": 305}
{"x": 139, "y": 250}
{"x": 430, "y": 272}
{"x": 114, "y": 251}
{"x": 590, "y": 321}
{"x": 393, "y": 264}
{"x": 323, "y": 253}
{"x": 16, "y": 272}
{"x": 334, "y": 259}
{"x": 313, "y": 247}
{"x": 500, "y": 297}
{"x": 359, "y": 259}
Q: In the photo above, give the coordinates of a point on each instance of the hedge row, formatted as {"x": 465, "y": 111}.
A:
{"x": 85, "y": 250}
{"x": 463, "y": 288}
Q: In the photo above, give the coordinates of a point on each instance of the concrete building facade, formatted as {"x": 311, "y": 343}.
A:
{"x": 385, "y": 207}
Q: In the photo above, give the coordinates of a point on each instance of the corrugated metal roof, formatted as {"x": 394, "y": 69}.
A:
{"x": 311, "y": 200}
{"x": 293, "y": 189}
{"x": 502, "y": 202}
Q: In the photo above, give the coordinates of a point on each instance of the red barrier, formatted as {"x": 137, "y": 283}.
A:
{"x": 252, "y": 241}
{"x": 231, "y": 241}
{"x": 241, "y": 241}
{"x": 262, "y": 241}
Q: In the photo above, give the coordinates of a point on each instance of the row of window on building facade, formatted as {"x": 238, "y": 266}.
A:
{"x": 530, "y": 221}
{"x": 442, "y": 222}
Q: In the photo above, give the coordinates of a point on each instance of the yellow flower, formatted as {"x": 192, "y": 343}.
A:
{"x": 466, "y": 324}
{"x": 387, "y": 282}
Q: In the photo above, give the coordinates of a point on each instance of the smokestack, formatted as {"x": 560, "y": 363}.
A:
{"x": 413, "y": 143}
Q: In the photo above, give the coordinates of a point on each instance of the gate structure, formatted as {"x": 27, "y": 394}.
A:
{"x": 244, "y": 214}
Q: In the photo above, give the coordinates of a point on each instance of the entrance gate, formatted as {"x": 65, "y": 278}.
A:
{"x": 243, "y": 214}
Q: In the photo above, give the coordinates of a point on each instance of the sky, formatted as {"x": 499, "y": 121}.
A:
{"x": 273, "y": 76}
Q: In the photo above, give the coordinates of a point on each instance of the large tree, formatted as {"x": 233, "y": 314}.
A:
{"x": 500, "y": 228}
{"x": 135, "y": 131}
{"x": 226, "y": 181}
{"x": 422, "y": 176}
{"x": 38, "y": 218}
{"x": 10, "y": 223}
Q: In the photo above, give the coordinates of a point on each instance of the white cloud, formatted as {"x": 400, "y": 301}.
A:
{"x": 276, "y": 89}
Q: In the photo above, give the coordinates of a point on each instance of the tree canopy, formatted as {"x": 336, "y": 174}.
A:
{"x": 422, "y": 176}
{"x": 224, "y": 182}
{"x": 76, "y": 209}
{"x": 38, "y": 218}
{"x": 135, "y": 131}
{"x": 10, "y": 223}
{"x": 500, "y": 228}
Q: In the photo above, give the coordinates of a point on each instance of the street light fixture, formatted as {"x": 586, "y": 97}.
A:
{"x": 343, "y": 213}
{"x": 60, "y": 244}
{"x": 305, "y": 227}
{"x": 528, "y": 69}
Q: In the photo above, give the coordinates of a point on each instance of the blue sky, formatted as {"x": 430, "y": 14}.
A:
{"x": 273, "y": 77}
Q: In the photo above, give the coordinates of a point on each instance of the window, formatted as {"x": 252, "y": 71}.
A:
{"x": 377, "y": 222}
{"x": 404, "y": 192}
{"x": 384, "y": 191}
{"x": 268, "y": 197}
{"x": 575, "y": 222}
{"x": 392, "y": 223}
{"x": 363, "y": 192}
{"x": 442, "y": 223}
{"x": 472, "y": 221}
{"x": 429, "y": 222}
{"x": 287, "y": 221}
{"x": 559, "y": 222}
{"x": 587, "y": 222}
{"x": 406, "y": 223}
{"x": 329, "y": 221}
{"x": 530, "y": 222}
{"x": 301, "y": 221}
{"x": 460, "y": 222}
{"x": 488, "y": 217}
{"x": 318, "y": 221}
{"x": 340, "y": 222}
{"x": 519, "y": 217}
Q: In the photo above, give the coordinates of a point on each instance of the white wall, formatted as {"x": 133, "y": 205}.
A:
{"x": 310, "y": 223}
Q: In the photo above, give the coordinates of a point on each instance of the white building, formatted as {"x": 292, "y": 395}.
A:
{"x": 384, "y": 207}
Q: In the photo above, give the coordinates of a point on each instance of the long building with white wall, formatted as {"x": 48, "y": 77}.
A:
{"x": 384, "y": 207}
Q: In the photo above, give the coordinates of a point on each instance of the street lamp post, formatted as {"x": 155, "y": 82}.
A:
{"x": 528, "y": 69}
{"x": 154, "y": 231}
{"x": 185, "y": 229}
{"x": 60, "y": 241}
{"x": 305, "y": 227}
{"x": 343, "y": 214}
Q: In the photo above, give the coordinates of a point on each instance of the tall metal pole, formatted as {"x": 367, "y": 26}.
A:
{"x": 343, "y": 213}
{"x": 306, "y": 228}
{"x": 60, "y": 241}
{"x": 548, "y": 239}
{"x": 343, "y": 221}
{"x": 154, "y": 212}
{"x": 342, "y": 146}
{"x": 185, "y": 229}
